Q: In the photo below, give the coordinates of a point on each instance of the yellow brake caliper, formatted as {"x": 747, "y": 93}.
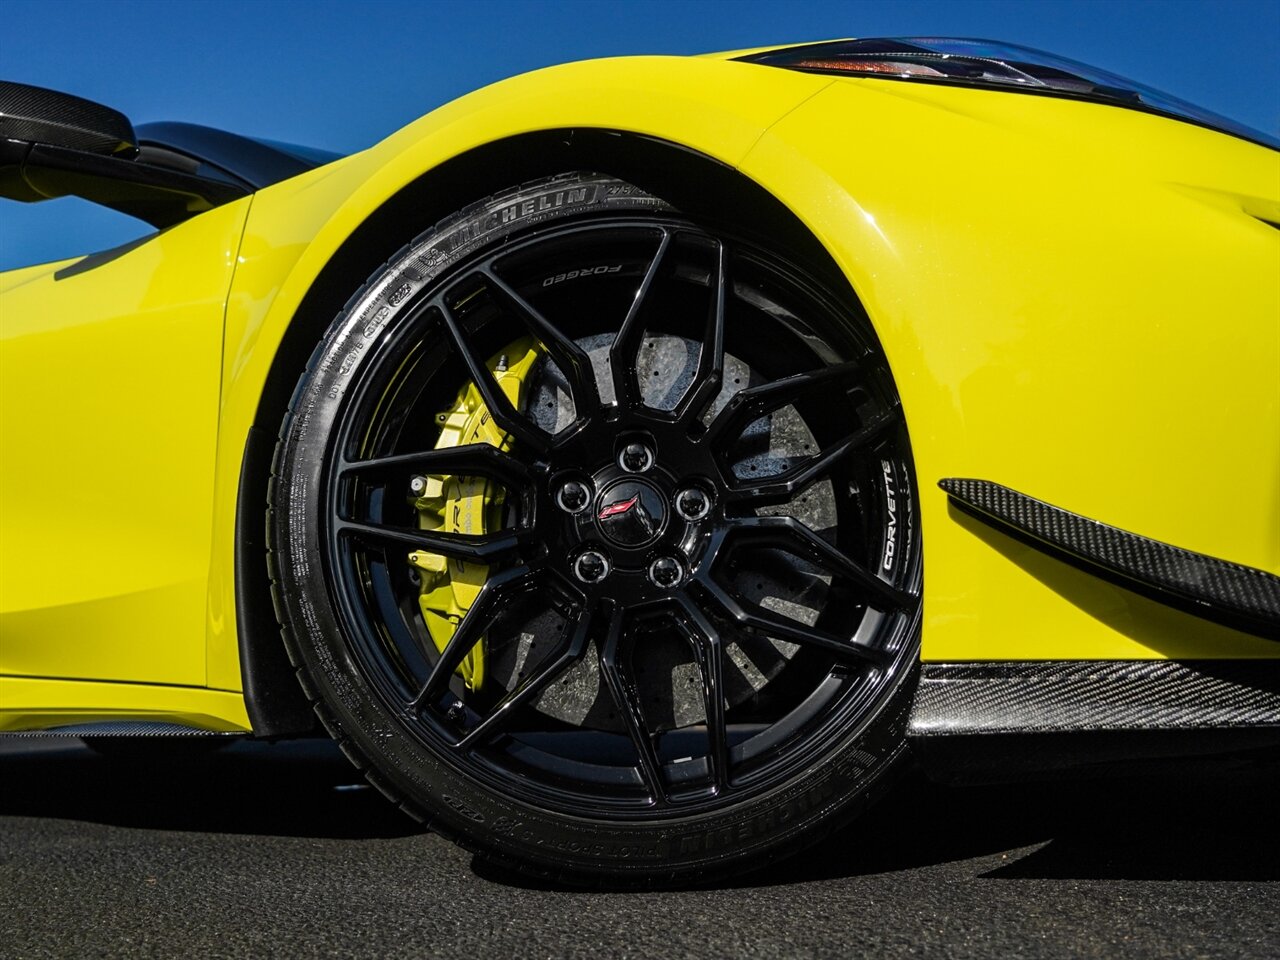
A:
{"x": 467, "y": 505}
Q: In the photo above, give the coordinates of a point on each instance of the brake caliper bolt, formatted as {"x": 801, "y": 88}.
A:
{"x": 417, "y": 486}
{"x": 591, "y": 567}
{"x": 573, "y": 496}
{"x": 693, "y": 504}
{"x": 666, "y": 572}
{"x": 635, "y": 458}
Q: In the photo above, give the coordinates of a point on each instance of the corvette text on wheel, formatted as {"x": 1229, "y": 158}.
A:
{"x": 632, "y": 464}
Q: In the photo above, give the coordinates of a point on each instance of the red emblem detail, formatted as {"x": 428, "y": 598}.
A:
{"x": 622, "y": 506}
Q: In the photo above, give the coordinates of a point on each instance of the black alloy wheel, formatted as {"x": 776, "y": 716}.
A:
{"x": 700, "y": 576}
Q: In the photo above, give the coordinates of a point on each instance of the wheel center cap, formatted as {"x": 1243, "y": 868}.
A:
{"x": 631, "y": 513}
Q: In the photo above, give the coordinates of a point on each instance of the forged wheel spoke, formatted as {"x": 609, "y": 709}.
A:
{"x": 500, "y": 407}
{"x": 754, "y": 402}
{"x": 710, "y": 373}
{"x": 472, "y": 459}
{"x": 797, "y": 538}
{"x": 485, "y": 548}
{"x": 488, "y": 604}
{"x": 754, "y": 618}
{"x": 573, "y": 645}
{"x": 627, "y": 700}
{"x": 569, "y": 357}
{"x": 786, "y": 486}
{"x": 708, "y": 650}
{"x": 625, "y": 352}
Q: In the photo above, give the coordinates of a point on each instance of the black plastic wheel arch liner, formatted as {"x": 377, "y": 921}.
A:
{"x": 1232, "y": 594}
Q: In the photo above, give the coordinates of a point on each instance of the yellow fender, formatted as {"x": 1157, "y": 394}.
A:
{"x": 1022, "y": 260}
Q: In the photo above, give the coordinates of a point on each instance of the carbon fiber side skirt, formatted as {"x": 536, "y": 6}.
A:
{"x": 1229, "y": 593}
{"x": 997, "y": 721}
{"x": 126, "y": 728}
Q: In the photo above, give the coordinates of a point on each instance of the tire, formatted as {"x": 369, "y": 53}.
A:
{"x": 729, "y": 676}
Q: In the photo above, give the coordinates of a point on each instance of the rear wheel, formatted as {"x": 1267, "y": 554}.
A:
{"x": 594, "y": 538}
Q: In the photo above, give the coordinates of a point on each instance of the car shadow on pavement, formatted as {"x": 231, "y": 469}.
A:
{"x": 300, "y": 788}
{"x": 1171, "y": 827}
{"x": 1202, "y": 826}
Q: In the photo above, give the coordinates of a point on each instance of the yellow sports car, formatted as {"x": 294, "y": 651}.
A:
{"x": 632, "y": 463}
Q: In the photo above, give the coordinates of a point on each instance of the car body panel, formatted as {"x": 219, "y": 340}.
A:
{"x": 109, "y": 380}
{"x": 1080, "y": 388}
{"x": 39, "y": 702}
{"x": 1070, "y": 253}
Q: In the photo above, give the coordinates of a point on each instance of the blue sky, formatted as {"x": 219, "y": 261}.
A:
{"x": 342, "y": 75}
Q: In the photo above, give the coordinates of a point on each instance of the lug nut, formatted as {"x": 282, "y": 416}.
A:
{"x": 591, "y": 567}
{"x": 693, "y": 504}
{"x": 666, "y": 572}
{"x": 635, "y": 458}
{"x": 573, "y": 497}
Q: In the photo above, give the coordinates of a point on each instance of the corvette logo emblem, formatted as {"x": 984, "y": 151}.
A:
{"x": 618, "y": 507}
{"x": 631, "y": 513}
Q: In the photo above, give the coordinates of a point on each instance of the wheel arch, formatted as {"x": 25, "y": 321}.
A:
{"x": 702, "y": 186}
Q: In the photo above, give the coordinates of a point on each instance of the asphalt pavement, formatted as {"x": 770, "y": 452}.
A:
{"x": 277, "y": 850}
